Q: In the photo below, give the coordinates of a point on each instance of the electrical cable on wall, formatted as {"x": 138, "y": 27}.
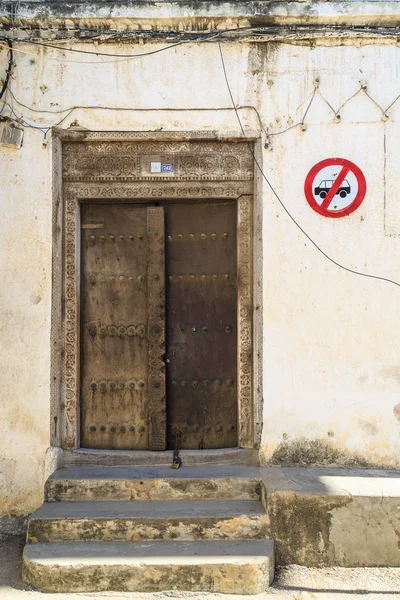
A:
{"x": 9, "y": 69}
{"x": 275, "y": 193}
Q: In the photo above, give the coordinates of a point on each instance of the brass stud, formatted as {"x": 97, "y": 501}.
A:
{"x": 196, "y": 427}
{"x": 103, "y": 428}
{"x": 183, "y": 383}
{"x": 112, "y": 385}
{"x": 156, "y": 277}
{"x": 131, "y": 330}
{"x": 141, "y": 384}
{"x": 132, "y": 385}
{"x": 193, "y": 329}
{"x": 231, "y": 427}
{"x": 121, "y": 331}
{"x": 92, "y": 278}
{"x": 93, "y": 330}
{"x": 102, "y": 278}
{"x": 131, "y": 278}
{"x": 191, "y": 236}
{"x": 226, "y": 276}
{"x": 156, "y": 329}
{"x": 111, "y": 237}
{"x": 122, "y": 385}
{"x": 112, "y": 428}
{"x": 169, "y": 238}
{"x": 207, "y": 428}
{"x": 131, "y": 428}
{"x": 140, "y": 237}
{"x": 140, "y": 278}
{"x": 103, "y": 387}
{"x": 93, "y": 428}
{"x": 112, "y": 277}
{"x": 131, "y": 237}
{"x": 192, "y": 277}
{"x": 122, "y": 277}
{"x": 206, "y": 382}
{"x": 92, "y": 238}
{"x": 214, "y": 276}
{"x": 121, "y": 237}
{"x": 93, "y": 385}
{"x": 180, "y": 236}
{"x": 229, "y": 382}
{"x": 203, "y": 236}
{"x": 156, "y": 384}
{"x": 204, "y": 329}
{"x": 173, "y": 382}
{"x": 122, "y": 428}
{"x": 228, "y": 329}
{"x": 180, "y": 277}
{"x": 219, "y": 428}
{"x": 217, "y": 382}
{"x": 112, "y": 330}
{"x": 140, "y": 330}
{"x": 169, "y": 277}
{"x": 141, "y": 429}
{"x": 195, "y": 383}
{"x": 102, "y": 238}
{"x": 213, "y": 236}
{"x": 204, "y": 277}
{"x": 225, "y": 236}
{"x": 102, "y": 332}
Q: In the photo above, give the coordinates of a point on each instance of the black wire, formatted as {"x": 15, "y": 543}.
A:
{"x": 8, "y": 72}
{"x": 353, "y": 271}
{"x": 105, "y": 53}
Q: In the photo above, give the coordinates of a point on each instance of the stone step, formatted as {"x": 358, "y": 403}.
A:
{"x": 140, "y": 521}
{"x": 230, "y": 567}
{"x": 87, "y": 484}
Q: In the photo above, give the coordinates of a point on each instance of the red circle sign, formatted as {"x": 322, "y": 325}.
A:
{"x": 335, "y": 187}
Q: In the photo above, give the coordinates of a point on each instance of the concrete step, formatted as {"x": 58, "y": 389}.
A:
{"x": 87, "y": 484}
{"x": 139, "y": 521}
{"x": 230, "y": 567}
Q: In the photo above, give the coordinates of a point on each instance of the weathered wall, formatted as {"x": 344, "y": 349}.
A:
{"x": 330, "y": 367}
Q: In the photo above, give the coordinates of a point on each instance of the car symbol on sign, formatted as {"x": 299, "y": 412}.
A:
{"x": 323, "y": 188}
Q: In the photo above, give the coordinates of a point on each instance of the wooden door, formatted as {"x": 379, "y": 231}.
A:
{"x": 123, "y": 403}
{"x": 201, "y": 284}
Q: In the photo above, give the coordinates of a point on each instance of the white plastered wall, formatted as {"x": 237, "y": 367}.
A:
{"x": 331, "y": 367}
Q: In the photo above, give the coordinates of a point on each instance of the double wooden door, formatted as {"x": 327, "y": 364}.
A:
{"x": 158, "y": 326}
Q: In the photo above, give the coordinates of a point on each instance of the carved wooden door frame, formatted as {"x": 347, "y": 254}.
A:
{"x": 111, "y": 167}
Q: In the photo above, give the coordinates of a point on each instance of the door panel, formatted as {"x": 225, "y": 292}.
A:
{"x": 201, "y": 324}
{"x": 122, "y": 291}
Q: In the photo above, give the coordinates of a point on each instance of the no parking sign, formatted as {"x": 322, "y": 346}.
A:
{"x": 335, "y": 187}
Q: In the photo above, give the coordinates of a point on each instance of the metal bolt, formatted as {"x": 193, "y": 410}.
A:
{"x": 195, "y": 383}
{"x": 229, "y": 382}
{"x": 193, "y": 329}
{"x": 122, "y": 278}
{"x": 131, "y": 384}
{"x": 122, "y": 331}
{"x": 180, "y": 277}
{"x": 111, "y": 237}
{"x": 156, "y": 329}
{"x": 156, "y": 384}
{"x": 213, "y": 236}
{"x": 112, "y": 277}
{"x": 203, "y": 236}
{"x": 180, "y": 236}
{"x": 121, "y": 237}
{"x": 140, "y": 237}
{"x": 207, "y": 428}
{"x": 196, "y": 427}
{"x": 214, "y": 276}
{"x": 191, "y": 236}
{"x": 122, "y": 428}
{"x": 226, "y": 276}
{"x": 93, "y": 278}
{"x": 112, "y": 385}
{"x": 103, "y": 428}
{"x": 141, "y": 384}
{"x": 185, "y": 426}
{"x": 228, "y": 329}
{"x": 140, "y": 278}
{"x": 93, "y": 330}
{"x": 112, "y": 330}
{"x": 102, "y": 331}
{"x": 131, "y": 237}
{"x": 93, "y": 428}
{"x": 192, "y": 277}
{"x": 113, "y": 428}
{"x": 169, "y": 238}
{"x": 122, "y": 385}
{"x": 102, "y": 278}
{"x": 225, "y": 236}
{"x": 156, "y": 277}
{"x": 231, "y": 427}
{"x": 219, "y": 428}
{"x": 141, "y": 429}
{"x": 173, "y": 382}
{"x": 206, "y": 382}
{"x": 103, "y": 386}
{"x": 92, "y": 238}
{"x": 204, "y": 277}
{"x": 102, "y": 238}
{"x": 93, "y": 385}
{"x": 169, "y": 277}
{"x": 131, "y": 330}
{"x": 217, "y": 382}
{"x": 204, "y": 329}
{"x": 131, "y": 428}
{"x": 183, "y": 383}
